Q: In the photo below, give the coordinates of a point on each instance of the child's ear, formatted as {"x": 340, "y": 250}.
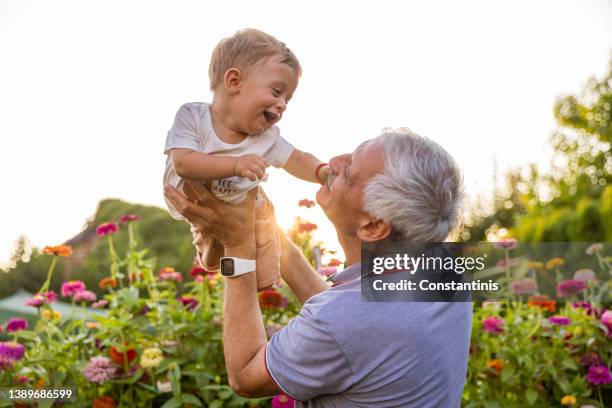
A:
{"x": 372, "y": 230}
{"x": 232, "y": 80}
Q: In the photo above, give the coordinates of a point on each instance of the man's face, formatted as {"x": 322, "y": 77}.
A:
{"x": 342, "y": 202}
{"x": 264, "y": 94}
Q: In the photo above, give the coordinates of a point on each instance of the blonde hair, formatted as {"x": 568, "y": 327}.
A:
{"x": 243, "y": 50}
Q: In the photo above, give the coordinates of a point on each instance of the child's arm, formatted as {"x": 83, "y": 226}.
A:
{"x": 192, "y": 165}
{"x": 304, "y": 166}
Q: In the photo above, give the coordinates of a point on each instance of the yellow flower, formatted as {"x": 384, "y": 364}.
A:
{"x": 151, "y": 357}
{"x": 535, "y": 265}
{"x": 555, "y": 263}
{"x": 92, "y": 325}
{"x": 48, "y": 314}
{"x": 568, "y": 400}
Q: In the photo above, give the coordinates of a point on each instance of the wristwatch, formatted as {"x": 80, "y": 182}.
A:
{"x": 232, "y": 267}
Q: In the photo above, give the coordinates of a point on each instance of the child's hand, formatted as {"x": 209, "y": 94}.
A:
{"x": 323, "y": 173}
{"x": 250, "y": 166}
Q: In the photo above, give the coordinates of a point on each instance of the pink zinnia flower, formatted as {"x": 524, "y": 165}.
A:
{"x": 524, "y": 286}
{"x": 11, "y": 350}
{"x": 169, "y": 274}
{"x": 307, "y": 227}
{"x": 16, "y": 324}
{"x": 127, "y": 218}
{"x": 106, "y": 229}
{"x": 493, "y": 325}
{"x": 606, "y": 319}
{"x": 72, "y": 287}
{"x": 599, "y": 374}
{"x": 100, "y": 304}
{"x": 306, "y": 203}
{"x": 282, "y": 401}
{"x": 585, "y": 275}
{"x": 85, "y": 296}
{"x": 590, "y": 309}
{"x": 199, "y": 271}
{"x": 327, "y": 270}
{"x": 23, "y": 379}
{"x": 100, "y": 369}
{"x": 590, "y": 359}
{"x": 42, "y": 298}
{"x": 5, "y": 363}
{"x": 559, "y": 320}
{"x": 189, "y": 302}
{"x": 570, "y": 287}
{"x": 506, "y": 243}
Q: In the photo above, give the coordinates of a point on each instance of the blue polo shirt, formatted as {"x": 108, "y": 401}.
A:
{"x": 342, "y": 351}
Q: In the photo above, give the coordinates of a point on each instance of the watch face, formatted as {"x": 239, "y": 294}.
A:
{"x": 227, "y": 267}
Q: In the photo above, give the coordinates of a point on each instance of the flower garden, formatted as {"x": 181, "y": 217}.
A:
{"x": 157, "y": 340}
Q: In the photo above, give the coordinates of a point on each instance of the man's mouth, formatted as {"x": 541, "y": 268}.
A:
{"x": 271, "y": 117}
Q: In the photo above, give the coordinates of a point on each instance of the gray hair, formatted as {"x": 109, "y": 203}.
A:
{"x": 420, "y": 193}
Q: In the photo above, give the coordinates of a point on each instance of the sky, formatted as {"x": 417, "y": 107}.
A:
{"x": 89, "y": 89}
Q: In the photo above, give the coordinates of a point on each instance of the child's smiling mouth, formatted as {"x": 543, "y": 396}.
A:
{"x": 271, "y": 117}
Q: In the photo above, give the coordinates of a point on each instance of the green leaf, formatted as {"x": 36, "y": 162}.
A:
{"x": 172, "y": 403}
{"x": 191, "y": 399}
{"x": 215, "y": 404}
{"x": 226, "y": 394}
{"x": 531, "y": 396}
{"x": 507, "y": 374}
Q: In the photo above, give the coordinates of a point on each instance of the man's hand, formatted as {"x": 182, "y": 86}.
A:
{"x": 251, "y": 166}
{"x": 232, "y": 225}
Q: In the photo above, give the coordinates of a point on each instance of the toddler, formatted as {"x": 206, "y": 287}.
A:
{"x": 229, "y": 143}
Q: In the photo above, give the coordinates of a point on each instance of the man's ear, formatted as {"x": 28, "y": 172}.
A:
{"x": 232, "y": 80}
{"x": 372, "y": 230}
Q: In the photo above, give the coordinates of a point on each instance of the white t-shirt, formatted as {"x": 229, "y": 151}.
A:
{"x": 193, "y": 130}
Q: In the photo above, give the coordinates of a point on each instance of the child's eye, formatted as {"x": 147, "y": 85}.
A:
{"x": 276, "y": 92}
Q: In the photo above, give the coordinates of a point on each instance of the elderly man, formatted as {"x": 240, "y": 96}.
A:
{"x": 342, "y": 351}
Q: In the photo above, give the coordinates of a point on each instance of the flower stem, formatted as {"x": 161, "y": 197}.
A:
{"x": 45, "y": 286}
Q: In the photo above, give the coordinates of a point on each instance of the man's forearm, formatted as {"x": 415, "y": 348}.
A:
{"x": 299, "y": 275}
{"x": 244, "y": 335}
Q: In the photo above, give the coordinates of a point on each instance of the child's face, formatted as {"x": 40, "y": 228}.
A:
{"x": 264, "y": 94}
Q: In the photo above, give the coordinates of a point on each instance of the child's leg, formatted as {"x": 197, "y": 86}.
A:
{"x": 209, "y": 250}
{"x": 268, "y": 245}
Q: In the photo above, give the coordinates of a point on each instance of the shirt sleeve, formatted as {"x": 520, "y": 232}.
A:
{"x": 280, "y": 151}
{"x": 305, "y": 360}
{"x": 184, "y": 131}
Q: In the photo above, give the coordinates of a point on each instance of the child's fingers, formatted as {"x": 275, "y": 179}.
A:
{"x": 250, "y": 175}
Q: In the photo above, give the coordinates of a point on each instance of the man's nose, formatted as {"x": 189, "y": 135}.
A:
{"x": 338, "y": 162}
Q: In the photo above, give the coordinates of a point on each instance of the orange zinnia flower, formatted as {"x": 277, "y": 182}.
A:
{"x": 120, "y": 357}
{"x": 542, "y": 302}
{"x": 104, "y": 402}
{"x": 334, "y": 262}
{"x": 58, "y": 250}
{"x": 495, "y": 364}
{"x": 106, "y": 282}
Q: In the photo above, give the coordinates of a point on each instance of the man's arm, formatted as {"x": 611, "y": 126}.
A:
{"x": 297, "y": 272}
{"x": 192, "y": 165}
{"x": 304, "y": 165}
{"x": 244, "y": 338}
